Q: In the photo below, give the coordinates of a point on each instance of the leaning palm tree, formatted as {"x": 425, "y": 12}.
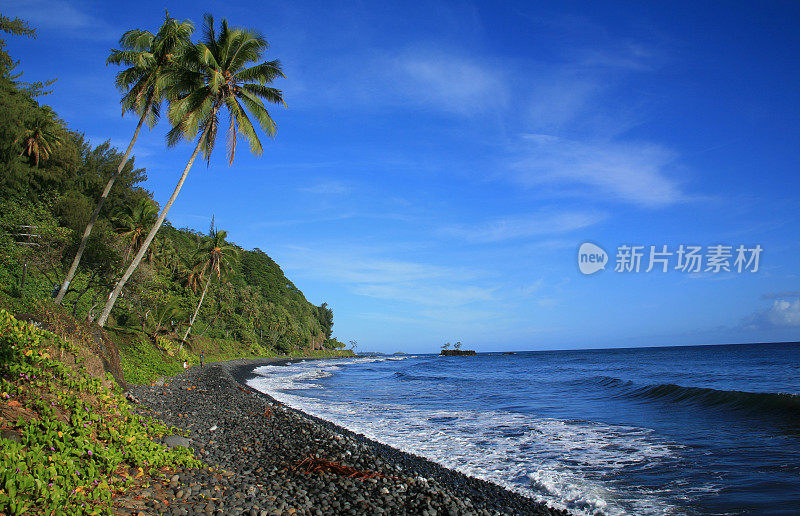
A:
{"x": 133, "y": 222}
{"x": 214, "y": 258}
{"x": 39, "y": 138}
{"x": 148, "y": 57}
{"x": 214, "y": 74}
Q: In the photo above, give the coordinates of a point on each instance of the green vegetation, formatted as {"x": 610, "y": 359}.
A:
{"x": 148, "y": 57}
{"x": 79, "y": 236}
{"x": 78, "y": 439}
{"x": 76, "y": 224}
{"x": 220, "y": 73}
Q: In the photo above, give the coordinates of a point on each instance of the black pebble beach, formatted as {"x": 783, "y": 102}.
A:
{"x": 258, "y": 447}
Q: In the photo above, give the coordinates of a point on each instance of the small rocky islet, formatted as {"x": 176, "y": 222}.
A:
{"x": 269, "y": 459}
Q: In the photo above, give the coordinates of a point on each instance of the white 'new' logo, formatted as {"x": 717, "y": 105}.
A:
{"x": 591, "y": 258}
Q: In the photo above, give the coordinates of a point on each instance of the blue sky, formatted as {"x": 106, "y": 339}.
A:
{"x": 439, "y": 164}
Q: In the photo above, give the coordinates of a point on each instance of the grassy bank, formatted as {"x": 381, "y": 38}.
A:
{"x": 144, "y": 361}
{"x": 142, "y": 358}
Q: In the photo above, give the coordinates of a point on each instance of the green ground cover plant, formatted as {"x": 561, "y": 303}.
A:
{"x": 78, "y": 441}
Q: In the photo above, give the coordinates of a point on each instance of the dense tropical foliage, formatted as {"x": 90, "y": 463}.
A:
{"x": 52, "y": 181}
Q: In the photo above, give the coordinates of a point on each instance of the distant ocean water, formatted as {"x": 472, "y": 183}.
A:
{"x": 679, "y": 430}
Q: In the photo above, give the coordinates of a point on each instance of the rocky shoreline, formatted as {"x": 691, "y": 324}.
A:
{"x": 271, "y": 459}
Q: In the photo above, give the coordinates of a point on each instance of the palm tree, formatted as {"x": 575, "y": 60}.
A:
{"x": 39, "y": 139}
{"x": 159, "y": 319}
{"x": 215, "y": 73}
{"x": 189, "y": 272}
{"x": 133, "y": 222}
{"x": 165, "y": 254}
{"x": 148, "y": 57}
{"x": 215, "y": 257}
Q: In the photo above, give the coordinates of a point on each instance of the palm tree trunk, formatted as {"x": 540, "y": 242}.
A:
{"x": 88, "y": 231}
{"x": 196, "y": 311}
{"x": 150, "y": 236}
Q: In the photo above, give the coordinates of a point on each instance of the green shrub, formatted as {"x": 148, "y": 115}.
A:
{"x": 79, "y": 433}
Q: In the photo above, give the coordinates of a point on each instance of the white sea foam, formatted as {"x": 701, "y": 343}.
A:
{"x": 567, "y": 464}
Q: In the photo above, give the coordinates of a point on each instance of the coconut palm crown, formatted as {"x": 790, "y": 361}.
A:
{"x": 39, "y": 138}
{"x": 217, "y": 72}
{"x": 216, "y": 256}
{"x": 133, "y": 222}
{"x": 147, "y": 57}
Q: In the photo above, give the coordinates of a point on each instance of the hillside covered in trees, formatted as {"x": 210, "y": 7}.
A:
{"x": 51, "y": 179}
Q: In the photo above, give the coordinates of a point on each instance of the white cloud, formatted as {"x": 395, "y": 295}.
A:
{"x": 637, "y": 172}
{"x": 618, "y": 55}
{"x": 532, "y": 288}
{"x": 578, "y": 115}
{"x": 781, "y": 295}
{"x": 561, "y": 99}
{"x": 510, "y": 228}
{"x": 784, "y": 313}
{"x": 448, "y": 81}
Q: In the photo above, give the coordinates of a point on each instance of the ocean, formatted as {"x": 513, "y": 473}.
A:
{"x": 675, "y": 430}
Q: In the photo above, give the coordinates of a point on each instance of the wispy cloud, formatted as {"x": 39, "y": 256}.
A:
{"x": 620, "y": 55}
{"x": 420, "y": 77}
{"x": 782, "y": 295}
{"x": 525, "y": 226}
{"x": 300, "y": 221}
{"x": 364, "y": 274}
{"x": 328, "y": 188}
{"x": 577, "y": 117}
{"x": 637, "y": 172}
{"x": 560, "y": 100}
{"x": 427, "y": 295}
{"x": 527, "y": 290}
{"x": 61, "y": 16}
{"x": 448, "y": 81}
{"x": 362, "y": 266}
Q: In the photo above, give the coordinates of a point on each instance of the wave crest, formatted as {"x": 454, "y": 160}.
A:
{"x": 768, "y": 403}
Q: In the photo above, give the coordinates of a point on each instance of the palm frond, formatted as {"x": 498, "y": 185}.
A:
{"x": 263, "y": 73}
{"x": 214, "y": 74}
{"x": 233, "y": 110}
{"x": 267, "y": 93}
{"x": 209, "y": 36}
{"x": 256, "y": 107}
{"x": 148, "y": 57}
{"x": 249, "y": 132}
{"x": 136, "y": 39}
